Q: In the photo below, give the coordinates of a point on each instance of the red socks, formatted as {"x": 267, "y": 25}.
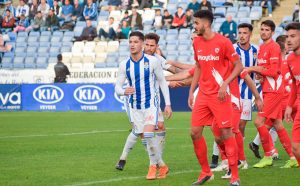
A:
{"x": 264, "y": 137}
{"x": 285, "y": 141}
{"x": 200, "y": 149}
{"x": 222, "y": 151}
{"x": 298, "y": 159}
{"x": 231, "y": 153}
{"x": 240, "y": 144}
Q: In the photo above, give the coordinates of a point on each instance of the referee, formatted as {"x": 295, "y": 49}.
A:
{"x": 61, "y": 71}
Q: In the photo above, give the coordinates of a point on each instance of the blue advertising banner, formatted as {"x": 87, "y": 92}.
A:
{"x": 10, "y": 97}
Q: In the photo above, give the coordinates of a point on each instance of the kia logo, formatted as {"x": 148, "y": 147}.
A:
{"x": 89, "y": 94}
{"x": 48, "y": 94}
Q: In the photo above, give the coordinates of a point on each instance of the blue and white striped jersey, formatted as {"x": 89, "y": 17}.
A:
{"x": 146, "y": 75}
{"x": 248, "y": 59}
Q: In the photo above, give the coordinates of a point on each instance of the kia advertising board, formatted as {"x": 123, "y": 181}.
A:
{"x": 10, "y": 97}
{"x": 49, "y": 97}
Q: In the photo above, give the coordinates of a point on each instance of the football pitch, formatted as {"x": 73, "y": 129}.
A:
{"x": 68, "y": 149}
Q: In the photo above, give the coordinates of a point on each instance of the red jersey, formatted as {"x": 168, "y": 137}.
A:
{"x": 269, "y": 57}
{"x": 214, "y": 57}
{"x": 287, "y": 81}
{"x": 294, "y": 68}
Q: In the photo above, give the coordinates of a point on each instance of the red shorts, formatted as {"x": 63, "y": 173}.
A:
{"x": 296, "y": 125}
{"x": 208, "y": 107}
{"x": 272, "y": 106}
{"x": 236, "y": 115}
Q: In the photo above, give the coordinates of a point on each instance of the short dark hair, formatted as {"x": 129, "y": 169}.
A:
{"x": 293, "y": 26}
{"x": 138, "y": 34}
{"x": 270, "y": 24}
{"x": 205, "y": 14}
{"x": 246, "y": 25}
{"x": 153, "y": 36}
{"x": 281, "y": 41}
{"x": 59, "y": 57}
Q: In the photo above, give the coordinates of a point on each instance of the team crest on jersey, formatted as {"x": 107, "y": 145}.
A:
{"x": 217, "y": 50}
{"x": 146, "y": 65}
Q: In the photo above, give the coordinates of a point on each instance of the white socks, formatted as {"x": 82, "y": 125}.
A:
{"x": 153, "y": 150}
{"x": 273, "y": 134}
{"x": 130, "y": 142}
{"x": 216, "y": 151}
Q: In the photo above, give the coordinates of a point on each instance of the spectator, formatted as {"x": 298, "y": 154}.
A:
{"x": 33, "y": 9}
{"x": 108, "y": 31}
{"x": 161, "y": 3}
{"x": 228, "y": 3}
{"x": 78, "y": 11}
{"x": 179, "y": 19}
{"x": 125, "y": 4}
{"x": 167, "y": 19}
{"x": 145, "y": 4}
{"x": 44, "y": 8}
{"x": 296, "y": 14}
{"x": 267, "y": 4}
{"x": 22, "y": 9}
{"x": 189, "y": 21}
{"x": 22, "y": 24}
{"x": 61, "y": 71}
{"x": 123, "y": 32}
{"x": 50, "y": 3}
{"x": 157, "y": 22}
{"x": 52, "y": 22}
{"x": 125, "y": 18}
{"x": 8, "y": 22}
{"x": 88, "y": 33}
{"x": 10, "y": 7}
{"x": 249, "y": 3}
{"x": 90, "y": 11}
{"x": 114, "y": 4}
{"x": 194, "y": 5}
{"x": 135, "y": 20}
{"x": 205, "y": 5}
{"x": 3, "y": 47}
{"x": 229, "y": 28}
{"x": 67, "y": 11}
{"x": 57, "y": 9}
{"x": 38, "y": 23}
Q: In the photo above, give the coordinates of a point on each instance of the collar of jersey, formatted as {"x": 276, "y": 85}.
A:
{"x": 138, "y": 60}
{"x": 244, "y": 49}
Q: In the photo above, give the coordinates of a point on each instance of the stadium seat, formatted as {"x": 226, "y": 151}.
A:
{"x": 41, "y": 62}
{"x": 36, "y": 44}
{"x": 76, "y": 65}
{"x": 220, "y": 12}
{"x": 56, "y": 44}
{"x": 67, "y": 57}
{"x": 88, "y": 65}
{"x": 161, "y": 32}
{"x": 116, "y": 14}
{"x": 183, "y": 47}
{"x": 43, "y": 49}
{"x": 56, "y": 39}
{"x": 123, "y": 48}
{"x": 99, "y": 60}
{"x": 89, "y": 47}
{"x": 22, "y": 34}
{"x": 69, "y": 33}
{"x": 67, "y": 38}
{"x": 185, "y": 52}
{"x": 183, "y": 58}
{"x": 21, "y": 39}
{"x": 172, "y": 52}
{"x": 44, "y": 38}
{"x": 20, "y": 54}
{"x": 232, "y": 9}
{"x": 78, "y": 47}
{"x": 88, "y": 59}
{"x": 124, "y": 42}
{"x": 184, "y": 36}
{"x": 148, "y": 15}
{"x": 242, "y": 14}
{"x": 45, "y": 44}
{"x": 7, "y": 65}
{"x": 100, "y": 65}
{"x": 174, "y": 42}
{"x": 58, "y": 33}
{"x": 171, "y": 37}
{"x": 245, "y": 20}
{"x": 112, "y": 64}
{"x": 185, "y": 42}
{"x": 65, "y": 49}
{"x": 172, "y": 57}
{"x": 7, "y": 59}
{"x": 45, "y": 33}
{"x": 31, "y": 54}
{"x": 12, "y": 36}
{"x": 33, "y": 39}
{"x": 52, "y": 60}
{"x": 185, "y": 31}
{"x": 31, "y": 49}
{"x": 78, "y": 30}
{"x": 18, "y": 62}
{"x": 33, "y": 33}
{"x": 20, "y": 49}
{"x": 112, "y": 46}
{"x": 54, "y": 51}
{"x": 172, "y": 32}
{"x": 9, "y": 54}
{"x": 30, "y": 62}
{"x": 171, "y": 47}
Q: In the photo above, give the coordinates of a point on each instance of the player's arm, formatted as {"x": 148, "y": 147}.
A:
{"x": 293, "y": 97}
{"x": 258, "y": 101}
{"x": 120, "y": 81}
{"x": 164, "y": 88}
{"x": 194, "y": 84}
{"x": 179, "y": 76}
{"x": 179, "y": 65}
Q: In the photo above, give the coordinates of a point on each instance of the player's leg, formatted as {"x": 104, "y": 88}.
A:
{"x": 242, "y": 127}
{"x": 215, "y": 156}
{"x": 201, "y": 116}
{"x": 129, "y": 144}
{"x": 296, "y": 135}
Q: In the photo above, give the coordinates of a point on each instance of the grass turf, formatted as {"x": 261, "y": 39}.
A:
{"x": 40, "y": 148}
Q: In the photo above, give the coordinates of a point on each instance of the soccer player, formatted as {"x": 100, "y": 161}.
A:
{"x": 213, "y": 55}
{"x": 269, "y": 61}
{"x": 144, "y": 74}
{"x": 293, "y": 42}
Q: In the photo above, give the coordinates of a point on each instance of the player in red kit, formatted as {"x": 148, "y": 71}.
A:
{"x": 213, "y": 72}
{"x": 269, "y": 68}
{"x": 293, "y": 42}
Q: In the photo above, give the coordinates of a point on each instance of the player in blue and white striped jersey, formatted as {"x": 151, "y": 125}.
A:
{"x": 145, "y": 75}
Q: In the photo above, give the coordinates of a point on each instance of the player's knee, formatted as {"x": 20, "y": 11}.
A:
{"x": 218, "y": 140}
{"x": 161, "y": 126}
{"x": 226, "y": 133}
{"x": 195, "y": 134}
{"x": 296, "y": 149}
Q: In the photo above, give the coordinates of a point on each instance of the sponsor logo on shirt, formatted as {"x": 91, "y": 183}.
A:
{"x": 208, "y": 58}
{"x": 261, "y": 61}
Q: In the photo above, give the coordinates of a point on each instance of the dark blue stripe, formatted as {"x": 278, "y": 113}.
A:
{"x": 130, "y": 80}
{"x": 147, "y": 83}
{"x": 254, "y": 51}
{"x": 137, "y": 84}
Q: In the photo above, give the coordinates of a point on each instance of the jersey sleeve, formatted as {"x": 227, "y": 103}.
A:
{"x": 120, "y": 80}
{"x": 275, "y": 60}
{"x": 164, "y": 64}
{"x": 230, "y": 52}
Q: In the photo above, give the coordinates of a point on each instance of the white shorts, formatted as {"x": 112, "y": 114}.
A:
{"x": 246, "y": 109}
{"x": 142, "y": 117}
{"x": 128, "y": 108}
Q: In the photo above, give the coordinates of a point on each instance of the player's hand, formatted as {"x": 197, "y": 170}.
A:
{"x": 222, "y": 92}
{"x": 259, "y": 104}
{"x": 174, "y": 84}
{"x": 129, "y": 91}
{"x": 168, "y": 111}
{"x": 288, "y": 114}
{"x": 191, "y": 101}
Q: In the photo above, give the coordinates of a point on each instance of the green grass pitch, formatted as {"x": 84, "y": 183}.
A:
{"x": 38, "y": 148}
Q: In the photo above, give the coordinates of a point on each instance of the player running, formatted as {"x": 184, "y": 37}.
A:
{"x": 213, "y": 72}
{"x": 145, "y": 75}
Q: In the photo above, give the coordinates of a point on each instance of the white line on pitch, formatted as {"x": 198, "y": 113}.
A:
{"x": 76, "y": 133}
{"x": 126, "y": 178}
